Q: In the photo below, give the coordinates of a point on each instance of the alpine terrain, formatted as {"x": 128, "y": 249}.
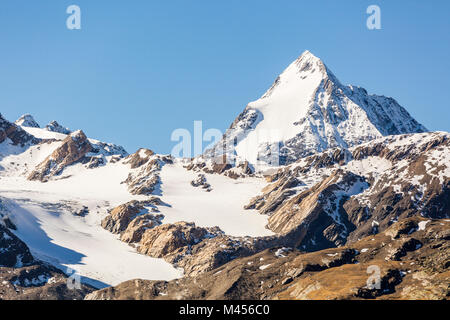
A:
{"x": 312, "y": 187}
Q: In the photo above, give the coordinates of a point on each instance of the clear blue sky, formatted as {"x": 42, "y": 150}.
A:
{"x": 139, "y": 69}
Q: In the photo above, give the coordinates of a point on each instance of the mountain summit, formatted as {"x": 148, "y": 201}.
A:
{"x": 54, "y": 126}
{"x": 27, "y": 120}
{"x": 307, "y": 110}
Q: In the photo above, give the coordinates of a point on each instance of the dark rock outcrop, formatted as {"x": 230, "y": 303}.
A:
{"x": 73, "y": 149}
{"x": 341, "y": 196}
{"x": 15, "y": 134}
{"x": 131, "y": 219}
{"x": 13, "y": 252}
{"x": 145, "y": 176}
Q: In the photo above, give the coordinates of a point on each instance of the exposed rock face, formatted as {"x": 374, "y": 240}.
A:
{"x": 337, "y": 273}
{"x": 144, "y": 178}
{"x": 130, "y": 220}
{"x": 217, "y": 249}
{"x": 38, "y": 282}
{"x": 56, "y": 127}
{"x": 27, "y": 120}
{"x": 307, "y": 110}
{"x": 15, "y": 134}
{"x": 405, "y": 262}
{"x": 233, "y": 170}
{"x": 168, "y": 238}
{"x": 119, "y": 218}
{"x": 136, "y": 228}
{"x": 22, "y": 277}
{"x": 138, "y": 159}
{"x": 314, "y": 217}
{"x": 5, "y": 220}
{"x": 73, "y": 149}
{"x": 76, "y": 148}
{"x": 202, "y": 182}
{"x": 182, "y": 244}
{"x": 340, "y": 195}
{"x": 13, "y": 252}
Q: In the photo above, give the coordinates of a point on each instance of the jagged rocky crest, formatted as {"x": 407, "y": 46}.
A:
{"x": 307, "y": 110}
{"x": 15, "y": 135}
{"x": 27, "y": 120}
{"x": 54, "y": 126}
{"x": 341, "y": 195}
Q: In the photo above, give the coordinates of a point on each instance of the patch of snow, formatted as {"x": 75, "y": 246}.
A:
{"x": 423, "y": 225}
{"x": 44, "y": 134}
{"x": 280, "y": 252}
{"x": 67, "y": 241}
{"x": 210, "y": 209}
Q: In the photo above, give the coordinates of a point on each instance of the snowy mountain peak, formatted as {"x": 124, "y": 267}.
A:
{"x": 27, "y": 120}
{"x": 306, "y": 70}
{"x": 307, "y": 110}
{"x": 306, "y": 57}
{"x": 307, "y": 60}
{"x": 12, "y": 134}
{"x": 54, "y": 126}
{"x": 79, "y": 134}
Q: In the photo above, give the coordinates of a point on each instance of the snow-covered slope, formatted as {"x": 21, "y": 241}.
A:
{"x": 307, "y": 110}
{"x": 56, "y": 236}
{"x": 223, "y": 206}
{"x": 60, "y": 220}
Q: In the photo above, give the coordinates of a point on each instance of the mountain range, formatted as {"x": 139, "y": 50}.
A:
{"x": 320, "y": 182}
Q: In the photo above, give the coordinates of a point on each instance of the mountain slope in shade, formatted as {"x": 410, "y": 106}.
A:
{"x": 27, "y": 120}
{"x": 12, "y": 135}
{"x": 307, "y": 110}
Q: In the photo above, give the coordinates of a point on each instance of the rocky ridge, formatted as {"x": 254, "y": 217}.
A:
{"x": 27, "y": 120}
{"x": 54, "y": 126}
{"x": 76, "y": 148}
{"x": 343, "y": 195}
{"x": 144, "y": 178}
{"x": 412, "y": 257}
{"x": 307, "y": 110}
{"x": 14, "y": 134}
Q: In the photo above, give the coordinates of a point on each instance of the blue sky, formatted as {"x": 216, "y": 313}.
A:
{"x": 139, "y": 69}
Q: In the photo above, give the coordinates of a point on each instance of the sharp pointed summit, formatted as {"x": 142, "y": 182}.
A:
{"x": 27, "y": 120}
{"x": 307, "y": 110}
